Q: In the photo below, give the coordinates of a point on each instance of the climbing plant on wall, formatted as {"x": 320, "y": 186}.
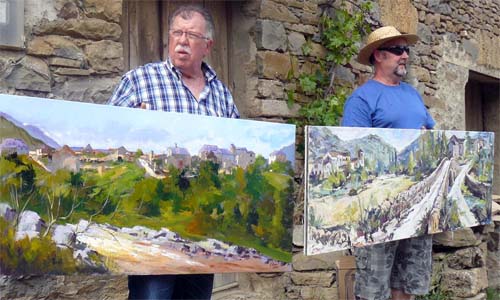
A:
{"x": 341, "y": 33}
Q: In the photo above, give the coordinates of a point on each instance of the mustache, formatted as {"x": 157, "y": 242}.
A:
{"x": 183, "y": 48}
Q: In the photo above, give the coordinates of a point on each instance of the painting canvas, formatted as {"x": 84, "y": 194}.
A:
{"x": 89, "y": 188}
{"x": 371, "y": 185}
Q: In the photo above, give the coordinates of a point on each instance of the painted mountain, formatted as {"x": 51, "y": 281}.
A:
{"x": 367, "y": 185}
{"x": 141, "y": 192}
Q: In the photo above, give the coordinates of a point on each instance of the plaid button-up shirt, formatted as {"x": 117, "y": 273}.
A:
{"x": 158, "y": 86}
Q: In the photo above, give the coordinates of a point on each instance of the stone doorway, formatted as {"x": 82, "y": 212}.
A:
{"x": 482, "y": 113}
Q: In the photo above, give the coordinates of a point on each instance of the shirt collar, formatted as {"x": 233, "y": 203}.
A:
{"x": 207, "y": 70}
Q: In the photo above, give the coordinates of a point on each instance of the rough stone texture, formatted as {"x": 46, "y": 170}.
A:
{"x": 275, "y": 11}
{"x": 298, "y": 235}
{"x": 324, "y": 261}
{"x": 460, "y": 238}
{"x": 85, "y": 89}
{"x": 54, "y": 45}
{"x": 467, "y": 258}
{"x": 279, "y": 108}
{"x": 30, "y": 73}
{"x": 400, "y": 14}
{"x": 64, "y": 287}
{"x": 271, "y": 35}
{"x": 313, "y": 293}
{"x": 323, "y": 279}
{"x": 271, "y": 89}
{"x": 464, "y": 283}
{"x": 94, "y": 29}
{"x": 273, "y": 65}
{"x": 295, "y": 42}
{"x": 110, "y": 10}
{"x": 64, "y": 62}
{"x": 105, "y": 56}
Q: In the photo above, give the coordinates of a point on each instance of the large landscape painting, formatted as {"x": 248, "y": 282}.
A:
{"x": 369, "y": 185}
{"x": 91, "y": 188}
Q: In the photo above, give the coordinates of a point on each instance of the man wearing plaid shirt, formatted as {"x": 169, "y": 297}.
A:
{"x": 183, "y": 83}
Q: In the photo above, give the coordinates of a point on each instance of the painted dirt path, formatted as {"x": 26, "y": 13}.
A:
{"x": 128, "y": 254}
{"x": 467, "y": 218}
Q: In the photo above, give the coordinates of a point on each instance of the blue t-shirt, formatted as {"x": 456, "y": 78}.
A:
{"x": 375, "y": 104}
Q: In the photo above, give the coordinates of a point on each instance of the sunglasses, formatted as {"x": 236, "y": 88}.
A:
{"x": 396, "y": 50}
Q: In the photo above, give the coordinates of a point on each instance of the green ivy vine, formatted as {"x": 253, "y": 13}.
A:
{"x": 340, "y": 36}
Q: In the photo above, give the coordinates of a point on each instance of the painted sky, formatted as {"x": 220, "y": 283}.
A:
{"x": 78, "y": 124}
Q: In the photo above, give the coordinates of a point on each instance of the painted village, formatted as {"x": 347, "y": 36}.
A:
{"x": 79, "y": 209}
{"x": 363, "y": 191}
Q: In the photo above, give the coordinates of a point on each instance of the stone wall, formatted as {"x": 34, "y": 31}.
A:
{"x": 74, "y": 52}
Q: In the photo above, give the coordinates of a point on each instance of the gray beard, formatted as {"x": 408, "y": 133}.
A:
{"x": 401, "y": 72}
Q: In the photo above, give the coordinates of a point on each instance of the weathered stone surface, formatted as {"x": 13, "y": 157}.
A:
{"x": 64, "y": 62}
{"x": 467, "y": 258}
{"x": 295, "y": 42}
{"x": 421, "y": 74}
{"x": 310, "y": 18}
{"x": 344, "y": 76}
{"x": 110, "y": 10}
{"x": 464, "y": 283}
{"x": 64, "y": 287}
{"x": 105, "y": 56}
{"x": 271, "y": 35}
{"x": 279, "y": 108}
{"x": 489, "y": 50}
{"x": 323, "y": 279}
{"x": 400, "y": 14}
{"x": 86, "y": 89}
{"x": 324, "y": 261}
{"x": 271, "y": 89}
{"x": 314, "y": 293}
{"x": 72, "y": 72}
{"x": 275, "y": 11}
{"x": 318, "y": 50}
{"x": 424, "y": 33}
{"x": 309, "y": 29}
{"x": 54, "y": 45}
{"x": 67, "y": 9}
{"x": 272, "y": 65}
{"x": 298, "y": 235}
{"x": 30, "y": 73}
{"x": 94, "y": 29}
{"x": 460, "y": 238}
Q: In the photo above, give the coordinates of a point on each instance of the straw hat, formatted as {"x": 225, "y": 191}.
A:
{"x": 379, "y": 37}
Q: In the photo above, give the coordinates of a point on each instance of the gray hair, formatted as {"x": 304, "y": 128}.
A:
{"x": 186, "y": 12}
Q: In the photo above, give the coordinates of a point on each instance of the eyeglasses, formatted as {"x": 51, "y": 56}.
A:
{"x": 396, "y": 50}
{"x": 189, "y": 34}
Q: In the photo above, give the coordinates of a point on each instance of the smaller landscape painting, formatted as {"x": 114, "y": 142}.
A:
{"x": 91, "y": 188}
{"x": 371, "y": 185}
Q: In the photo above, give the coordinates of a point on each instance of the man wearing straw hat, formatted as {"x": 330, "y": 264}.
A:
{"x": 397, "y": 269}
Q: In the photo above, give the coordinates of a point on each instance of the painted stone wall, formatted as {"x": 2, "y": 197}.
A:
{"x": 73, "y": 52}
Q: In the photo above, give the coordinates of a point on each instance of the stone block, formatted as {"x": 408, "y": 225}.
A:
{"x": 110, "y": 10}
{"x": 323, "y": 279}
{"x": 54, "y": 45}
{"x": 295, "y": 42}
{"x": 325, "y": 261}
{"x": 85, "y": 89}
{"x": 276, "y": 11}
{"x": 273, "y": 65}
{"x": 460, "y": 238}
{"x": 271, "y": 35}
{"x": 466, "y": 258}
{"x": 271, "y": 89}
{"x": 72, "y": 72}
{"x": 30, "y": 73}
{"x": 105, "y": 56}
{"x": 277, "y": 108}
{"x": 91, "y": 28}
{"x": 308, "y": 29}
{"x": 64, "y": 62}
{"x": 421, "y": 74}
{"x": 298, "y": 235}
{"x": 400, "y": 14}
{"x": 315, "y": 293}
{"x": 464, "y": 283}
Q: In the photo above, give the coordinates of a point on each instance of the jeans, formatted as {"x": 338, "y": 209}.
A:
{"x": 196, "y": 286}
